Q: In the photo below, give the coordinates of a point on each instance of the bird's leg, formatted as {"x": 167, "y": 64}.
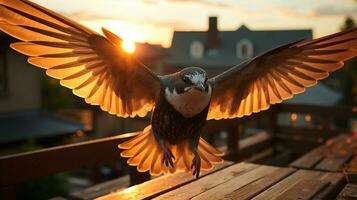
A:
{"x": 168, "y": 156}
{"x": 196, "y": 162}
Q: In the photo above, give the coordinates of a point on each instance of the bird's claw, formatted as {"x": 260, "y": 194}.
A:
{"x": 196, "y": 164}
{"x": 168, "y": 157}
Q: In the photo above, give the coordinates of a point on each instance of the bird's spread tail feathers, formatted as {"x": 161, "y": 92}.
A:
{"x": 146, "y": 153}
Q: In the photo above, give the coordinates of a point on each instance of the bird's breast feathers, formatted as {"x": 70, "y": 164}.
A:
{"x": 189, "y": 103}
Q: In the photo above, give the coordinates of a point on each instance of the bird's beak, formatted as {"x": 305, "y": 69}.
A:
{"x": 201, "y": 87}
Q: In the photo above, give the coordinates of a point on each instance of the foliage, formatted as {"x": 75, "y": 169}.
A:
{"x": 57, "y": 97}
{"x": 349, "y": 23}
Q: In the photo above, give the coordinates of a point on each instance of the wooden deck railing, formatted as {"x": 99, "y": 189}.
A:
{"x": 302, "y": 139}
{"x": 19, "y": 168}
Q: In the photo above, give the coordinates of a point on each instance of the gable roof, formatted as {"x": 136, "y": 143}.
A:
{"x": 179, "y": 52}
{"x": 23, "y": 125}
{"x": 320, "y": 95}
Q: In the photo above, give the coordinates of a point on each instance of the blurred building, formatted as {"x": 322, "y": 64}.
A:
{"x": 21, "y": 118}
{"x": 153, "y": 56}
{"x": 216, "y": 50}
{"x": 20, "y": 83}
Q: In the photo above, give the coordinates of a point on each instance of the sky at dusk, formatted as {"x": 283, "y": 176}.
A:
{"x": 154, "y": 21}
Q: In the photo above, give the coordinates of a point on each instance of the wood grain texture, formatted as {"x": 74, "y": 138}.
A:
{"x": 335, "y": 180}
{"x": 330, "y": 156}
{"x": 102, "y": 188}
{"x": 202, "y": 185}
{"x": 247, "y": 185}
{"x": 341, "y": 152}
{"x": 310, "y": 159}
{"x": 303, "y": 190}
{"x": 251, "y": 190}
{"x": 159, "y": 185}
{"x": 241, "y": 181}
{"x": 349, "y": 192}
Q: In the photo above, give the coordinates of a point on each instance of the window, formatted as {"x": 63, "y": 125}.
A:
{"x": 212, "y": 52}
{"x": 196, "y": 49}
{"x": 245, "y": 49}
{"x": 3, "y": 84}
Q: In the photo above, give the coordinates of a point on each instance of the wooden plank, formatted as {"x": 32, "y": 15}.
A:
{"x": 257, "y": 157}
{"x": 310, "y": 159}
{"x": 248, "y": 185}
{"x": 334, "y": 163}
{"x": 335, "y": 180}
{"x": 161, "y": 185}
{"x": 189, "y": 190}
{"x": 220, "y": 191}
{"x": 250, "y": 146}
{"x": 319, "y": 154}
{"x": 102, "y": 188}
{"x": 251, "y": 190}
{"x": 252, "y": 140}
{"x": 341, "y": 152}
{"x": 22, "y": 167}
{"x": 303, "y": 190}
{"x": 349, "y": 192}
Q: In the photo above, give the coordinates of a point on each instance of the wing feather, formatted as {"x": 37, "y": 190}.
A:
{"x": 279, "y": 74}
{"x": 31, "y": 49}
{"x": 259, "y": 95}
{"x": 93, "y": 66}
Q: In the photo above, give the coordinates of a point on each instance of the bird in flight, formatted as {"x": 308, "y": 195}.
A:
{"x": 96, "y": 68}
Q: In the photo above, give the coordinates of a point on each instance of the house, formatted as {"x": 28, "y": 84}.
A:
{"x": 216, "y": 50}
{"x": 21, "y": 115}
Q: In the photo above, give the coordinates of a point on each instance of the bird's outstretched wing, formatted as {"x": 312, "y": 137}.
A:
{"x": 279, "y": 74}
{"x": 93, "y": 66}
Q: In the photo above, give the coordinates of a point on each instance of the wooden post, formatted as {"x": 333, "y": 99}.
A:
{"x": 233, "y": 141}
{"x": 137, "y": 177}
{"x": 272, "y": 126}
{"x": 326, "y": 127}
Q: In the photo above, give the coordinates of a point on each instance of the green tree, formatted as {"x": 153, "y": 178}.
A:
{"x": 349, "y": 23}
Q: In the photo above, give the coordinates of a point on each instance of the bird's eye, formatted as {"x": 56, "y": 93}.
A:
{"x": 185, "y": 79}
{"x": 206, "y": 79}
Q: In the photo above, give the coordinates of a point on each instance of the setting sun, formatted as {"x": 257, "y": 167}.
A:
{"x": 128, "y": 46}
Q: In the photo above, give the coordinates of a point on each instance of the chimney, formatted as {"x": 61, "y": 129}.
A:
{"x": 212, "y": 33}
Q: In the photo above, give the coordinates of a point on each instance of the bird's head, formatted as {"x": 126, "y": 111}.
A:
{"x": 192, "y": 78}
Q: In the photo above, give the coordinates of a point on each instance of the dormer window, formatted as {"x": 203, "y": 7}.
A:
{"x": 196, "y": 50}
{"x": 245, "y": 49}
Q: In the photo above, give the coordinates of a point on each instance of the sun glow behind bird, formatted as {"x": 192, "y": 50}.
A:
{"x": 129, "y": 32}
{"x": 128, "y": 46}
